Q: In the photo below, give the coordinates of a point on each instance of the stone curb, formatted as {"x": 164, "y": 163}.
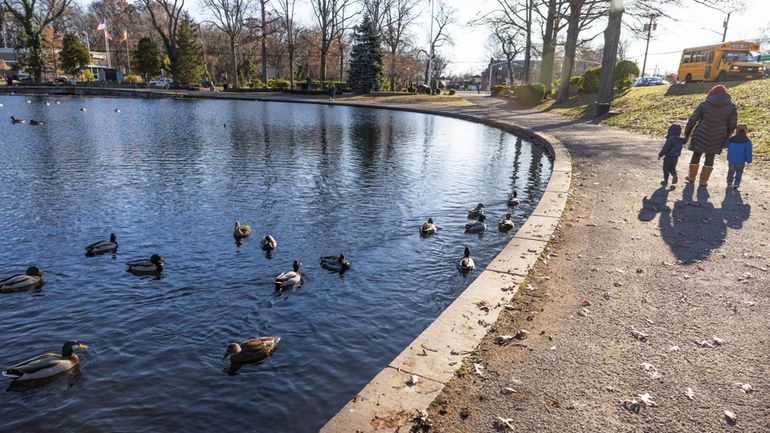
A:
{"x": 419, "y": 373}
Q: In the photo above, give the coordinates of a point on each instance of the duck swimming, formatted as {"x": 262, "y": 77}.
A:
{"x": 154, "y": 265}
{"x": 32, "y": 279}
{"x": 47, "y": 364}
{"x": 513, "y": 200}
{"x": 474, "y": 213}
{"x": 289, "y": 279}
{"x": 269, "y": 243}
{"x": 505, "y": 223}
{"x": 117, "y": 110}
{"x": 428, "y": 228}
{"x": 36, "y": 122}
{"x": 335, "y": 263}
{"x": 252, "y": 350}
{"x": 82, "y": 108}
{"x": 466, "y": 264}
{"x": 16, "y": 120}
{"x": 476, "y": 226}
{"x": 241, "y": 231}
{"x": 102, "y": 246}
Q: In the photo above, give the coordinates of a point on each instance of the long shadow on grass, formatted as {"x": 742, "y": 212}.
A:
{"x": 694, "y": 227}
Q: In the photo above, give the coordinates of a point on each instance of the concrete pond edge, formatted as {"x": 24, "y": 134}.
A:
{"x": 416, "y": 376}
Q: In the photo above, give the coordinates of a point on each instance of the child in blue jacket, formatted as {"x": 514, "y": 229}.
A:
{"x": 739, "y": 152}
{"x": 670, "y": 153}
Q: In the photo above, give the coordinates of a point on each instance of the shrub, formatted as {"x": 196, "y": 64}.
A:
{"x": 452, "y": 91}
{"x": 256, "y": 83}
{"x": 625, "y": 72}
{"x": 529, "y": 94}
{"x": 278, "y": 82}
{"x": 576, "y": 80}
{"x": 591, "y": 80}
{"x": 134, "y": 79}
{"x": 411, "y": 89}
{"x": 501, "y": 90}
{"x": 88, "y": 76}
{"x": 555, "y": 85}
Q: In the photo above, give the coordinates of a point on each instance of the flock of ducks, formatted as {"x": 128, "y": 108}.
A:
{"x": 17, "y": 120}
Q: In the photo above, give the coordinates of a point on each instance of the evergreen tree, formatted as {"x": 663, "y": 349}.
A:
{"x": 74, "y": 56}
{"x": 366, "y": 58}
{"x": 146, "y": 59}
{"x": 188, "y": 66}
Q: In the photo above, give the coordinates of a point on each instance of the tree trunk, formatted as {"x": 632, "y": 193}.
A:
{"x": 235, "y": 63}
{"x": 610, "y": 53}
{"x": 549, "y": 48}
{"x": 322, "y": 74}
{"x": 392, "y": 70}
{"x": 263, "y": 38}
{"x": 291, "y": 69}
{"x": 342, "y": 61}
{"x": 569, "y": 49}
{"x": 528, "y": 48}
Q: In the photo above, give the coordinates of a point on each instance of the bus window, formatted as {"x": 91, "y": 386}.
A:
{"x": 686, "y": 58}
{"x": 697, "y": 57}
{"x": 738, "y": 56}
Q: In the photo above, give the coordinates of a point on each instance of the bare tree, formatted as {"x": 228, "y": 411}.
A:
{"x": 444, "y": 18}
{"x": 518, "y": 14}
{"x": 229, "y": 19}
{"x": 287, "y": 20}
{"x": 570, "y": 45}
{"x": 33, "y": 17}
{"x": 377, "y": 11}
{"x": 329, "y": 15}
{"x": 398, "y": 16}
{"x": 506, "y": 40}
{"x": 166, "y": 16}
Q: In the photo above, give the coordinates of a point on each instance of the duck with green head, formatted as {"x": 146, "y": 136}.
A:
{"x": 335, "y": 263}
{"x": 152, "y": 266}
{"x": 103, "y": 246}
{"x": 47, "y": 364}
{"x": 477, "y": 226}
{"x": 506, "y": 223}
{"x": 428, "y": 228}
{"x": 32, "y": 279}
{"x": 287, "y": 280}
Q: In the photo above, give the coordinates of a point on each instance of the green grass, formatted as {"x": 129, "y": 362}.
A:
{"x": 650, "y": 110}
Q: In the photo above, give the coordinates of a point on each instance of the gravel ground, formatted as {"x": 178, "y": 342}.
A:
{"x": 637, "y": 278}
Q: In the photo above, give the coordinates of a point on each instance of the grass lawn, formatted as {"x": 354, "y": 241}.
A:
{"x": 443, "y": 100}
{"x": 650, "y": 110}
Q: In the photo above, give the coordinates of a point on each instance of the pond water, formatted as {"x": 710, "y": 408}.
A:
{"x": 171, "y": 177}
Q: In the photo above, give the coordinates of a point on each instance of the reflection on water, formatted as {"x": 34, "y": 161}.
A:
{"x": 171, "y": 177}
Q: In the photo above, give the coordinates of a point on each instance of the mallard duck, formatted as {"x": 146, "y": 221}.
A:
{"x": 58, "y": 102}
{"x": 474, "y": 213}
{"x": 153, "y": 265}
{"x": 32, "y": 279}
{"x": 47, "y": 104}
{"x": 29, "y": 101}
{"x": 252, "y": 350}
{"x": 82, "y": 108}
{"x": 47, "y": 364}
{"x": 335, "y": 263}
{"x": 466, "y": 263}
{"x": 268, "y": 243}
{"x": 428, "y": 228}
{"x": 117, "y": 110}
{"x": 241, "y": 231}
{"x": 506, "y": 223}
{"x": 513, "y": 200}
{"x": 476, "y": 226}
{"x": 16, "y": 120}
{"x": 289, "y": 279}
{"x": 36, "y": 122}
{"x": 102, "y": 246}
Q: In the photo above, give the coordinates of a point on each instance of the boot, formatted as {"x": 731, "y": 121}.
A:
{"x": 704, "y": 176}
{"x": 693, "y": 172}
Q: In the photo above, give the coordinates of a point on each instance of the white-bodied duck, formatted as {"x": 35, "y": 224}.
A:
{"x": 466, "y": 263}
{"x": 154, "y": 265}
{"x": 252, "y": 350}
{"x": 100, "y": 247}
{"x": 47, "y": 364}
{"x": 289, "y": 279}
{"x": 335, "y": 263}
{"x": 506, "y": 223}
{"x": 474, "y": 212}
{"x": 241, "y": 231}
{"x": 32, "y": 279}
{"x": 477, "y": 226}
{"x": 428, "y": 228}
{"x": 269, "y": 243}
{"x": 513, "y": 200}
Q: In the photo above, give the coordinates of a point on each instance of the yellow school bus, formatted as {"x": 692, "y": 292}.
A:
{"x": 726, "y": 61}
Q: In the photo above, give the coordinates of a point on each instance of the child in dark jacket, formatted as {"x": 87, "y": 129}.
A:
{"x": 670, "y": 153}
{"x": 739, "y": 153}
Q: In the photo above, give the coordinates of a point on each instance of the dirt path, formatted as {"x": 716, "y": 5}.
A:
{"x": 637, "y": 275}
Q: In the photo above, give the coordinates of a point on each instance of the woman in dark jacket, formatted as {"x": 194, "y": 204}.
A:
{"x": 711, "y": 124}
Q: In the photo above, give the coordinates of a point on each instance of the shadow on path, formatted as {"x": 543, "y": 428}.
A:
{"x": 694, "y": 227}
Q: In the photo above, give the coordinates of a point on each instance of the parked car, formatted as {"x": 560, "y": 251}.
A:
{"x": 163, "y": 82}
{"x": 61, "y": 79}
{"x": 649, "y": 81}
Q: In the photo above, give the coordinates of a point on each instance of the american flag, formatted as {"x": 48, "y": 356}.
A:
{"x": 102, "y": 25}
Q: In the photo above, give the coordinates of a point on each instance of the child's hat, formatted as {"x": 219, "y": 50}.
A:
{"x": 742, "y": 127}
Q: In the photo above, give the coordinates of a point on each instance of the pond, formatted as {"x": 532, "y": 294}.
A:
{"x": 171, "y": 177}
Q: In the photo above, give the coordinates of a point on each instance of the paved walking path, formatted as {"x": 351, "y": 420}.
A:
{"x": 637, "y": 275}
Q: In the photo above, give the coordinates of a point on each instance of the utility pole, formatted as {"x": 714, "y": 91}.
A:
{"x": 649, "y": 27}
{"x": 724, "y": 24}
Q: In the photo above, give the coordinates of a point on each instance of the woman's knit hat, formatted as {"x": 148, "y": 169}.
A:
{"x": 717, "y": 89}
{"x": 741, "y": 127}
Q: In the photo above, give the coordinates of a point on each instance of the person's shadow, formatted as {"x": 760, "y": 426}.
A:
{"x": 694, "y": 227}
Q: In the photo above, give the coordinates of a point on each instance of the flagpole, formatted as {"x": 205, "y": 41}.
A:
{"x": 107, "y": 48}
{"x": 128, "y": 54}
{"x": 430, "y": 59}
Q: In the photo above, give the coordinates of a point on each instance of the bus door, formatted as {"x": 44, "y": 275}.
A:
{"x": 709, "y": 60}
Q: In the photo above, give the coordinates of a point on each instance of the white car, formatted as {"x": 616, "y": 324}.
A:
{"x": 163, "y": 82}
